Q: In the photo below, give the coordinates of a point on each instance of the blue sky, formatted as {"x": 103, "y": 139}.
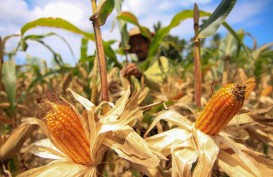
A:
{"x": 253, "y": 16}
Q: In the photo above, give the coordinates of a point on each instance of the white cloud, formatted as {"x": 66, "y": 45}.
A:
{"x": 184, "y": 30}
{"x": 75, "y": 13}
{"x": 139, "y": 7}
{"x": 246, "y": 12}
{"x": 62, "y": 10}
{"x": 14, "y": 19}
{"x": 190, "y": 3}
{"x": 13, "y": 14}
{"x": 150, "y": 12}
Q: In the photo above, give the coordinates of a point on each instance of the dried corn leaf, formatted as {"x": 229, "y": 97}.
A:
{"x": 129, "y": 145}
{"x": 45, "y": 149}
{"x": 263, "y": 163}
{"x": 207, "y": 148}
{"x": 232, "y": 165}
{"x": 122, "y": 114}
{"x": 173, "y": 117}
{"x": 266, "y": 99}
{"x": 259, "y": 132}
{"x": 260, "y": 110}
{"x": 235, "y": 166}
{"x": 238, "y": 150}
{"x": 35, "y": 121}
{"x": 238, "y": 132}
{"x": 5, "y": 120}
{"x": 142, "y": 95}
{"x": 183, "y": 156}
{"x": 241, "y": 119}
{"x": 113, "y": 114}
{"x": 15, "y": 141}
{"x": 85, "y": 102}
{"x": 59, "y": 168}
{"x": 151, "y": 172}
{"x": 89, "y": 128}
{"x": 163, "y": 142}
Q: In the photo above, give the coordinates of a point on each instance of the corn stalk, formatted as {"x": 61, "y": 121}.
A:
{"x": 100, "y": 54}
{"x": 197, "y": 58}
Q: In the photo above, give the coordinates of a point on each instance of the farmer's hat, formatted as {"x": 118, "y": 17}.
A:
{"x": 136, "y": 32}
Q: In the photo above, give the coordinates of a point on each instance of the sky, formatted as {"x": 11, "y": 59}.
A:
{"x": 255, "y": 17}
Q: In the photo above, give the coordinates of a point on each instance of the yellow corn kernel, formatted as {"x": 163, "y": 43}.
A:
{"x": 68, "y": 134}
{"x": 223, "y": 105}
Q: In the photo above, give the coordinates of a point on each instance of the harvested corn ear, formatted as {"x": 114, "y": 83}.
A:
{"x": 66, "y": 128}
{"x": 221, "y": 108}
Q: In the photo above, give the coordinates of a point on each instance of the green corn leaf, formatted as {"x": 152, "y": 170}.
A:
{"x": 164, "y": 31}
{"x": 228, "y": 46}
{"x": 65, "y": 25}
{"x": 49, "y": 74}
{"x": 84, "y": 46}
{"x": 131, "y": 18}
{"x": 39, "y": 38}
{"x": 6, "y": 38}
{"x": 128, "y": 17}
{"x": 104, "y": 9}
{"x": 56, "y": 23}
{"x": 56, "y": 56}
{"x": 178, "y": 19}
{"x": 13, "y": 51}
{"x": 256, "y": 53}
{"x": 122, "y": 27}
{"x": 111, "y": 53}
{"x": 9, "y": 81}
{"x": 216, "y": 19}
{"x": 239, "y": 40}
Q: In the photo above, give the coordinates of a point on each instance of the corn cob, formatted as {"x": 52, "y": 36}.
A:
{"x": 68, "y": 134}
{"x": 223, "y": 105}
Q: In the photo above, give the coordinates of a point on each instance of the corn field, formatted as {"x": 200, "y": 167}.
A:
{"x": 200, "y": 108}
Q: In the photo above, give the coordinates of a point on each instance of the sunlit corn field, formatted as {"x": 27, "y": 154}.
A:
{"x": 199, "y": 108}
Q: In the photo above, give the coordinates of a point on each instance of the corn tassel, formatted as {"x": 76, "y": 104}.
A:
{"x": 223, "y": 105}
{"x": 67, "y": 132}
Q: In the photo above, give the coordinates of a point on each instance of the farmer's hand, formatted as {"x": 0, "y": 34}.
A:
{"x": 131, "y": 69}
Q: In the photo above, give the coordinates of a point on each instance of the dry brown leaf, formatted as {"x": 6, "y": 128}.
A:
{"x": 182, "y": 160}
{"x": 260, "y": 110}
{"x": 15, "y": 141}
{"x": 232, "y": 165}
{"x": 129, "y": 145}
{"x": 110, "y": 130}
{"x": 207, "y": 149}
{"x": 60, "y": 168}
{"x": 151, "y": 172}
{"x": 163, "y": 142}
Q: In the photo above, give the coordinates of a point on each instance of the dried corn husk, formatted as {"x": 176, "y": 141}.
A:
{"x": 14, "y": 141}
{"x": 112, "y": 130}
{"x": 186, "y": 145}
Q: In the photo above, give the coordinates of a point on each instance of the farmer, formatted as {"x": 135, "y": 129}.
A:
{"x": 139, "y": 45}
{"x": 155, "y": 74}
